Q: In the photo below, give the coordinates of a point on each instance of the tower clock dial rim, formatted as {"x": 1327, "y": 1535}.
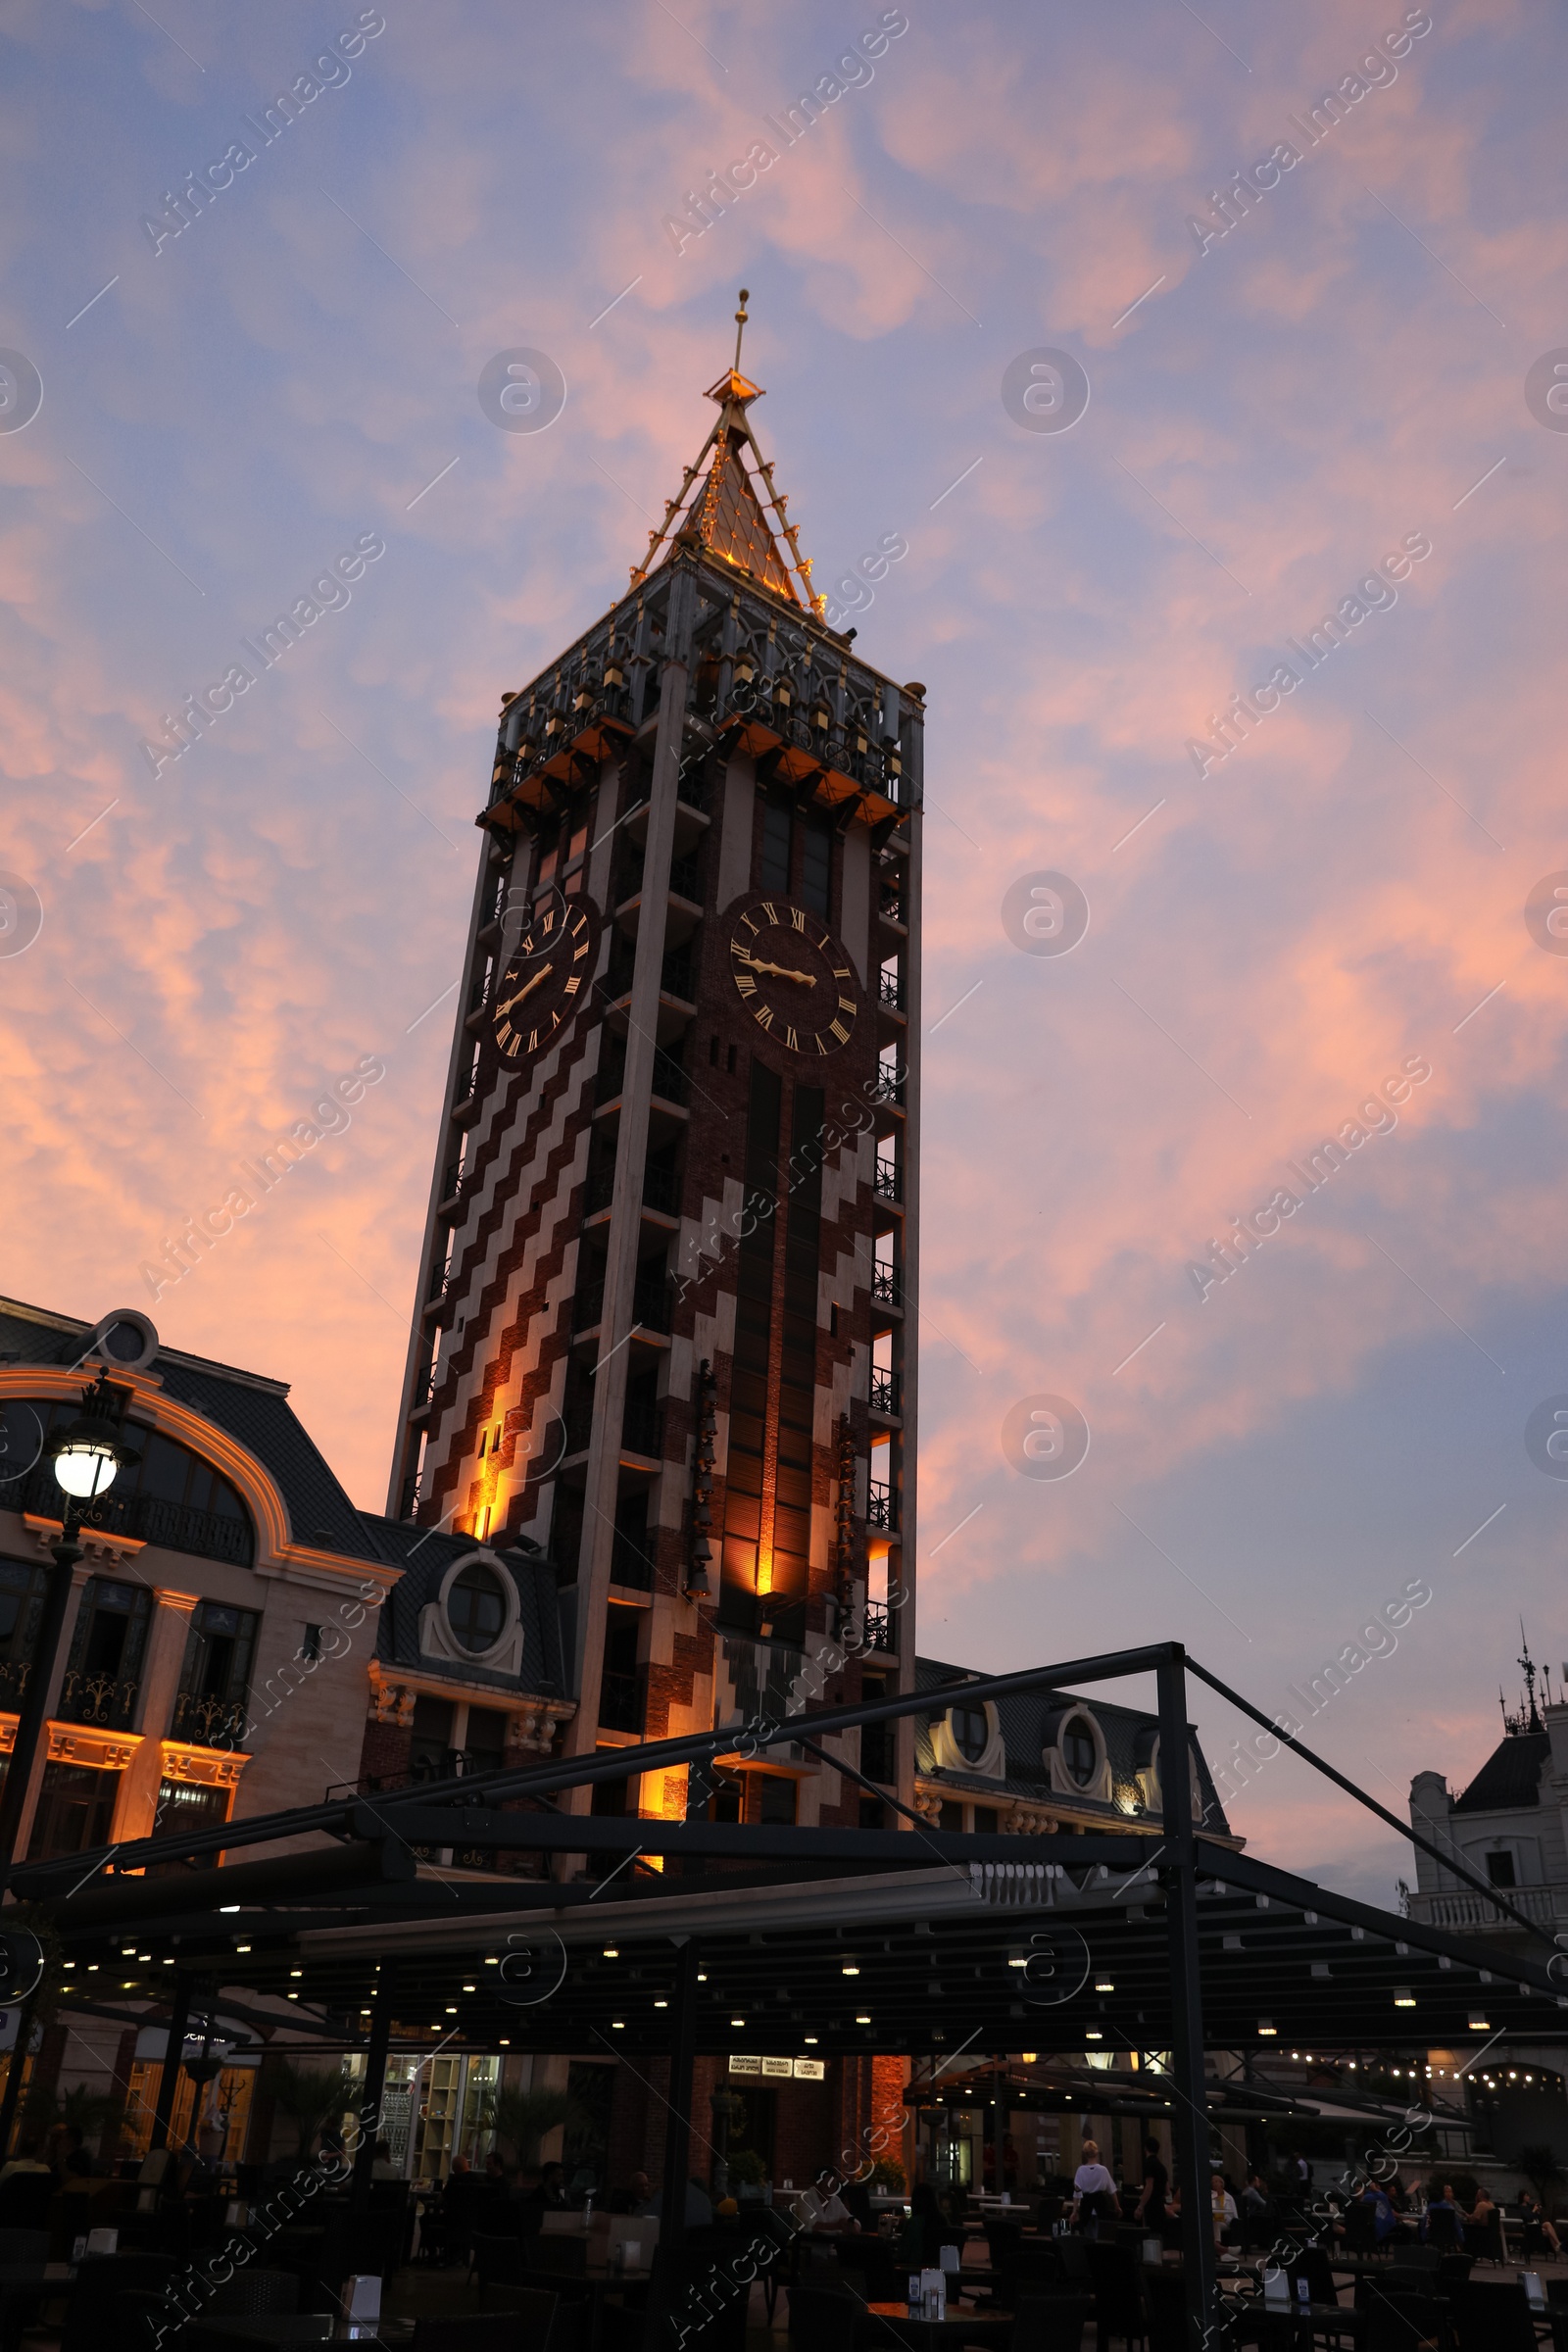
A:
{"x": 544, "y": 981}
{"x": 793, "y": 976}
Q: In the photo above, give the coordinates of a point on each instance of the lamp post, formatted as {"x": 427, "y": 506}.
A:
{"x": 85, "y": 1456}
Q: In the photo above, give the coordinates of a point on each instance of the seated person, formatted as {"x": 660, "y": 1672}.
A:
{"x": 1539, "y": 2231}
{"x": 28, "y": 2159}
{"x": 1441, "y": 2225}
{"x": 856, "y": 2198}
{"x": 1222, "y": 2205}
{"x": 1376, "y": 2198}
{"x": 549, "y": 2192}
{"x": 820, "y": 2207}
{"x": 635, "y": 2199}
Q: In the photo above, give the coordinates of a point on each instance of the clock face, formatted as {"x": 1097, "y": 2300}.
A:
{"x": 546, "y": 978}
{"x": 793, "y": 977}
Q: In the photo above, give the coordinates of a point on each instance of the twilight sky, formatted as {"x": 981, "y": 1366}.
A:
{"x": 1339, "y": 379}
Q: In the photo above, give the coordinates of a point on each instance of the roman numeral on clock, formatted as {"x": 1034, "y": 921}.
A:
{"x": 798, "y": 918}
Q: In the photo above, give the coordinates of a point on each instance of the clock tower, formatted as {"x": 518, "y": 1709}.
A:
{"x": 665, "y": 1318}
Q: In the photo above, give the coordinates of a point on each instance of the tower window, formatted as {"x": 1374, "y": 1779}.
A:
{"x": 729, "y": 1061}
{"x": 776, "y": 830}
{"x": 816, "y": 866}
{"x": 712, "y": 1052}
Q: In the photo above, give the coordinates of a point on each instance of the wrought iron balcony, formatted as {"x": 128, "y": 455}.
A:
{"x": 881, "y": 1505}
{"x": 410, "y": 1502}
{"x": 670, "y": 1082}
{"x": 888, "y": 1182}
{"x": 685, "y": 878}
{"x": 676, "y": 974}
{"x": 210, "y": 1722}
{"x": 892, "y": 905}
{"x": 588, "y": 1307}
{"x": 147, "y": 1518}
{"x": 480, "y": 991}
{"x": 890, "y": 990}
{"x": 886, "y": 1287}
{"x": 887, "y": 1393}
{"x": 453, "y": 1182}
{"x": 877, "y": 1619}
{"x": 424, "y": 1385}
{"x": 98, "y": 1698}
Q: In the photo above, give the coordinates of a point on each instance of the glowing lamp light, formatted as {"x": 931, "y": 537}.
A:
{"x": 86, "y": 1453}
{"x": 1267, "y": 2027}
{"x": 1478, "y": 2021}
{"x": 1404, "y": 1997}
{"x": 1104, "y": 1985}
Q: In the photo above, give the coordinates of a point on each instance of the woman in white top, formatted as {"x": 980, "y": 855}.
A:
{"x": 1222, "y": 2204}
{"x": 1094, "y": 2193}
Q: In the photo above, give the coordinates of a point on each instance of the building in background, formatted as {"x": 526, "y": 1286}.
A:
{"x": 670, "y": 1253}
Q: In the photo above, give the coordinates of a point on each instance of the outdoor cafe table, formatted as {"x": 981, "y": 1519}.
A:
{"x": 941, "y": 2335}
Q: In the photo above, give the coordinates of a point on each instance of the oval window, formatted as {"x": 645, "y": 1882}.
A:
{"x": 476, "y": 1610}
{"x": 1078, "y": 1752}
{"x": 971, "y": 1732}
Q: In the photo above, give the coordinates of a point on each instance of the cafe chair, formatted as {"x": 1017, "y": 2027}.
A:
{"x": 1494, "y": 2318}
{"x": 1483, "y": 2240}
{"x": 255, "y": 2295}
{"x": 1052, "y": 2323}
{"x": 1165, "y": 2302}
{"x": 26, "y": 2199}
{"x": 1402, "y": 2323}
{"x": 496, "y": 2262}
{"x": 485, "y": 2331}
{"x": 100, "y": 2280}
{"x": 1115, "y": 2275}
{"x": 1360, "y": 2229}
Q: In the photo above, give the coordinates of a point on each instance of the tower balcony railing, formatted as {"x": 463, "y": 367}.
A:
{"x": 892, "y": 903}
{"x": 888, "y": 1181}
{"x": 559, "y": 731}
{"x": 686, "y": 878}
{"x": 887, "y": 1393}
{"x": 454, "y": 1183}
{"x": 210, "y": 1722}
{"x": 886, "y": 1287}
{"x": 877, "y": 1621}
{"x": 881, "y": 1505}
{"x": 890, "y": 990}
{"x": 621, "y": 1703}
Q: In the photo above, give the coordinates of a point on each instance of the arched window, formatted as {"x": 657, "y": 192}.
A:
{"x": 1078, "y": 1751}
{"x": 477, "y": 1608}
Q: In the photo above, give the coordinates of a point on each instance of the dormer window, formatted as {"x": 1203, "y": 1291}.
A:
{"x": 477, "y": 1608}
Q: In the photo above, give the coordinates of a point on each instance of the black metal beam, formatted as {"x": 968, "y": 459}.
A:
{"x": 1189, "y": 2108}
{"x": 745, "y": 1739}
{"x": 114, "y": 1902}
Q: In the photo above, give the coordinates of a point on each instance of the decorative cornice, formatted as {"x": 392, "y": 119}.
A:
{"x": 97, "y": 1544}
{"x": 276, "y": 1551}
{"x": 207, "y": 1767}
{"x": 531, "y": 1719}
{"x": 78, "y": 1743}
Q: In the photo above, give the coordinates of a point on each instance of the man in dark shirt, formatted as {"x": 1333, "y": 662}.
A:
{"x": 1149, "y": 2210}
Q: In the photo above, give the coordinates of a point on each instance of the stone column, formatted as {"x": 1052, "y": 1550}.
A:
{"x": 136, "y": 1806}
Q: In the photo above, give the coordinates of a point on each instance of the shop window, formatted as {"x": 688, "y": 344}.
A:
{"x": 75, "y": 1806}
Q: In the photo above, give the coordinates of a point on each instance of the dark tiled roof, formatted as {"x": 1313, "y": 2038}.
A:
{"x": 424, "y": 1555}
{"x": 249, "y": 1407}
{"x": 1511, "y": 1775}
{"x": 1029, "y": 1720}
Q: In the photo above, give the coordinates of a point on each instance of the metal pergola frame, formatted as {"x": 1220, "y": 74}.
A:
{"x": 770, "y": 1938}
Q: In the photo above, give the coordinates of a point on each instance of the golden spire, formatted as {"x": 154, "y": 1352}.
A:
{"x": 729, "y": 515}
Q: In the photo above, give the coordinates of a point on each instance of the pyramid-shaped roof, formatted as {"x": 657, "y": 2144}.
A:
{"x": 727, "y": 503}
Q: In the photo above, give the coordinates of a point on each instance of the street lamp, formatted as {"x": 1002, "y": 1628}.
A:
{"x": 85, "y": 1456}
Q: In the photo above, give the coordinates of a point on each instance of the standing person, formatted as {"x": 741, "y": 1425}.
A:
{"x": 1151, "y": 2207}
{"x": 1094, "y": 2193}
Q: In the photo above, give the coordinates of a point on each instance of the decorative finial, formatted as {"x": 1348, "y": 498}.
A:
{"x": 740, "y": 326}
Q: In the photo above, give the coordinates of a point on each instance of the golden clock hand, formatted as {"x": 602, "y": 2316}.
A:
{"x": 781, "y": 972}
{"x": 543, "y": 973}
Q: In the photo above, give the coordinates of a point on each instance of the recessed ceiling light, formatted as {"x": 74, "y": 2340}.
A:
{"x": 1479, "y": 2021}
{"x": 471, "y": 1988}
{"x": 229, "y": 1906}
{"x": 1404, "y": 1998}
{"x": 611, "y": 1951}
{"x": 660, "y": 2004}
{"x": 1104, "y": 1985}
{"x": 1266, "y": 2025}
{"x": 615, "y": 2026}
{"x": 863, "y": 2021}
{"x": 737, "y": 2021}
